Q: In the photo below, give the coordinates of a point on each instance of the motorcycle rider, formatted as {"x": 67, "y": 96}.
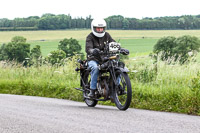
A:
{"x": 95, "y": 42}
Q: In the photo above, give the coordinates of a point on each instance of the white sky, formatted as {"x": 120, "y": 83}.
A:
{"x": 99, "y": 8}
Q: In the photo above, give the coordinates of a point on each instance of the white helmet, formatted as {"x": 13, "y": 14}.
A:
{"x": 98, "y": 23}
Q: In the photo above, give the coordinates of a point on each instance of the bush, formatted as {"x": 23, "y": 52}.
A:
{"x": 180, "y": 49}
{"x": 56, "y": 57}
{"x": 18, "y": 39}
{"x": 36, "y": 52}
{"x": 187, "y": 47}
{"x": 36, "y": 56}
{"x": 3, "y": 55}
{"x": 17, "y": 49}
{"x": 166, "y": 46}
{"x": 70, "y": 47}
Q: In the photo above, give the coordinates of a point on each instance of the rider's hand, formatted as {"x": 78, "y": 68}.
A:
{"x": 124, "y": 51}
{"x": 95, "y": 52}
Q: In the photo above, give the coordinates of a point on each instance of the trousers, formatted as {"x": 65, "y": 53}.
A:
{"x": 93, "y": 65}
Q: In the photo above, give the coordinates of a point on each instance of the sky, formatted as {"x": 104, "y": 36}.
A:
{"x": 99, "y": 8}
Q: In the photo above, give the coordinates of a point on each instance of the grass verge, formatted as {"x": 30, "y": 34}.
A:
{"x": 161, "y": 87}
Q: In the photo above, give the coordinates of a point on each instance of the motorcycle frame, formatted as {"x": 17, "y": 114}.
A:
{"x": 111, "y": 70}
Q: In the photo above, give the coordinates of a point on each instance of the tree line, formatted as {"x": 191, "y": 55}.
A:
{"x": 55, "y": 22}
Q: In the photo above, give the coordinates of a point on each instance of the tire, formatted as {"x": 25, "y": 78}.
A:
{"x": 89, "y": 102}
{"x": 122, "y": 95}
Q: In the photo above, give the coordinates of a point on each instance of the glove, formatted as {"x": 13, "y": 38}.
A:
{"x": 95, "y": 52}
{"x": 124, "y": 51}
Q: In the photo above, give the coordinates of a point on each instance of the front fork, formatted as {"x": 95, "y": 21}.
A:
{"x": 115, "y": 82}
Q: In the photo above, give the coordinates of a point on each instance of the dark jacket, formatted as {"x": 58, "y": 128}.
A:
{"x": 95, "y": 42}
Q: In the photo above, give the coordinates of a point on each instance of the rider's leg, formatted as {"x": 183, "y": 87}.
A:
{"x": 94, "y": 75}
{"x": 118, "y": 79}
{"x": 120, "y": 86}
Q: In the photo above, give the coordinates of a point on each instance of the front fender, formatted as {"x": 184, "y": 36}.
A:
{"x": 125, "y": 69}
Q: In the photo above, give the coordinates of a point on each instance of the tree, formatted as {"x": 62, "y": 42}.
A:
{"x": 70, "y": 46}
{"x": 36, "y": 52}
{"x": 115, "y": 22}
{"x": 165, "y": 46}
{"x": 178, "y": 49}
{"x": 187, "y": 47}
{"x": 18, "y": 39}
{"x": 125, "y": 24}
{"x": 17, "y": 49}
{"x": 35, "y": 55}
{"x": 56, "y": 57}
{"x": 3, "y": 55}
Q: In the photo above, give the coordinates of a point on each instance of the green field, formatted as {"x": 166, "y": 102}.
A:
{"x": 137, "y": 41}
{"x": 134, "y": 45}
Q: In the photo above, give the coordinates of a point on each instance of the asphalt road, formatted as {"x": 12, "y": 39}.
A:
{"x": 27, "y": 114}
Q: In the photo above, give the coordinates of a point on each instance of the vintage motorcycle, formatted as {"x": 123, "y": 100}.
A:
{"x": 113, "y": 81}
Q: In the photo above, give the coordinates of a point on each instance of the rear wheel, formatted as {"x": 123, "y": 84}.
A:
{"x": 91, "y": 102}
{"x": 87, "y": 79}
{"x": 123, "y": 92}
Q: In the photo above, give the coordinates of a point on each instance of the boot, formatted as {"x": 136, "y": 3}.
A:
{"x": 92, "y": 93}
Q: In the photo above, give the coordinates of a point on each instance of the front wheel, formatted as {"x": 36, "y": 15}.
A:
{"x": 122, "y": 93}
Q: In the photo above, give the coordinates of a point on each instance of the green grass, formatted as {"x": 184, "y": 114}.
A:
{"x": 46, "y": 81}
{"x": 81, "y": 34}
{"x": 46, "y": 46}
{"x": 162, "y": 87}
{"x": 137, "y": 46}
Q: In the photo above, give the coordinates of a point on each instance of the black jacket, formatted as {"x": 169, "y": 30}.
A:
{"x": 95, "y": 42}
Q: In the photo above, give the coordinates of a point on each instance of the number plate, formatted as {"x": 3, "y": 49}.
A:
{"x": 114, "y": 47}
